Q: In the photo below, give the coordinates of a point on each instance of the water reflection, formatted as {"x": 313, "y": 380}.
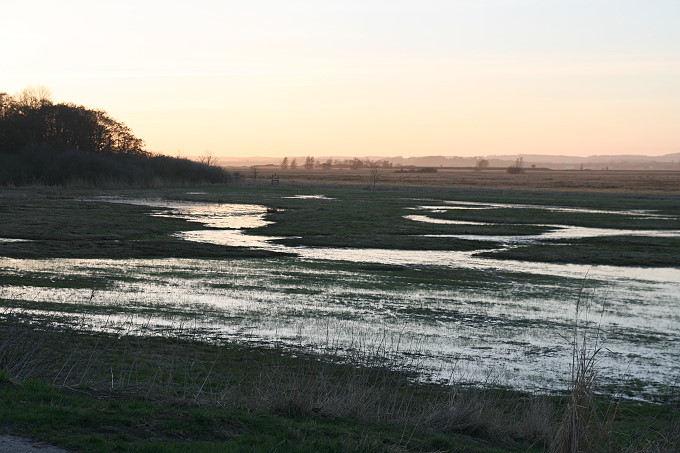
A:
{"x": 511, "y": 326}
{"x": 513, "y": 330}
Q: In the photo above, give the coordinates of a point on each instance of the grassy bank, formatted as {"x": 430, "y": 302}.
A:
{"x": 96, "y": 392}
{"x": 66, "y": 227}
{"x": 612, "y": 250}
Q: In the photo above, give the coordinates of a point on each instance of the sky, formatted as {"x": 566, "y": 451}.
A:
{"x": 361, "y": 77}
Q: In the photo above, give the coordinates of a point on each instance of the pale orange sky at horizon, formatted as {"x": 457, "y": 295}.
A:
{"x": 360, "y": 78}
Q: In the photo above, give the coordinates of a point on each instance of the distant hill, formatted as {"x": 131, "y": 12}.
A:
{"x": 559, "y": 162}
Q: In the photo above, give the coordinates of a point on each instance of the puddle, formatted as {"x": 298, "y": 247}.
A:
{"x": 556, "y": 231}
{"x": 311, "y": 197}
{"x": 484, "y": 205}
{"x": 13, "y": 240}
{"x": 424, "y": 218}
{"x": 214, "y": 215}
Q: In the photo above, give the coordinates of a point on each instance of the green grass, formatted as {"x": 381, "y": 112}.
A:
{"x": 68, "y": 228}
{"x": 543, "y": 216}
{"x": 609, "y": 250}
{"x": 54, "y": 281}
{"x": 98, "y": 392}
{"x": 93, "y": 421}
{"x": 101, "y": 392}
{"x": 60, "y": 226}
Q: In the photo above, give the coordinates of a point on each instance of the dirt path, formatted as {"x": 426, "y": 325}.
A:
{"x": 13, "y": 444}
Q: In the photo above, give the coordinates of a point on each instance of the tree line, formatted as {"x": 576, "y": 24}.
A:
{"x": 42, "y": 142}
{"x": 311, "y": 162}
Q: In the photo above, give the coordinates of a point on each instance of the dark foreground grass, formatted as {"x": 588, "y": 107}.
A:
{"x": 107, "y": 393}
{"x": 85, "y": 420}
{"x": 99, "y": 392}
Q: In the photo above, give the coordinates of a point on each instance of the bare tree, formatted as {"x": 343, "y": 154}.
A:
{"x": 253, "y": 172}
{"x": 284, "y": 163}
{"x": 293, "y": 164}
{"x": 207, "y": 158}
{"x": 34, "y": 97}
{"x": 309, "y": 162}
{"x": 374, "y": 171}
{"x": 4, "y": 103}
{"x": 518, "y": 167}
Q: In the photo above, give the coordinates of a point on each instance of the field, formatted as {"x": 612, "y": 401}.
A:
{"x": 532, "y": 179}
{"x": 448, "y": 311}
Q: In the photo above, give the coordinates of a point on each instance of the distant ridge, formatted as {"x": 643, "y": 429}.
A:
{"x": 559, "y": 162}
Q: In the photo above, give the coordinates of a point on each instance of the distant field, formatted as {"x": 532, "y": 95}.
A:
{"x": 601, "y": 180}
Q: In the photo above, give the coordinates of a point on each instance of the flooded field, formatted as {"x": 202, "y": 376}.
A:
{"x": 449, "y": 315}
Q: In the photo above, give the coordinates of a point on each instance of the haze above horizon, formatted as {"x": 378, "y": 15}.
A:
{"x": 399, "y": 77}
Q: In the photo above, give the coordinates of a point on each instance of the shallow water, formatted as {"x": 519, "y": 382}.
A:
{"x": 516, "y": 332}
{"x": 508, "y": 321}
{"x": 311, "y": 197}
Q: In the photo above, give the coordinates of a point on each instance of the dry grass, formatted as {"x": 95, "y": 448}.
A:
{"x": 584, "y": 427}
{"x": 280, "y": 382}
{"x": 258, "y": 380}
{"x": 601, "y": 181}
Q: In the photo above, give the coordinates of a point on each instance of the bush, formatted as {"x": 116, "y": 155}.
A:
{"x": 43, "y": 165}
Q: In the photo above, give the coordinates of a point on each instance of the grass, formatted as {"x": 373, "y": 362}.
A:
{"x": 63, "y": 387}
{"x": 127, "y": 392}
{"x": 69, "y": 228}
{"x": 58, "y": 225}
{"x": 539, "y": 180}
{"x": 544, "y": 216}
{"x": 610, "y": 250}
{"x": 96, "y": 392}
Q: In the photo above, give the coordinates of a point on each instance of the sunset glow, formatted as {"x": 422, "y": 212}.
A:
{"x": 411, "y": 78}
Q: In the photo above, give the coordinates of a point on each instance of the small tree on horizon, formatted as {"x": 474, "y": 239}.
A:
{"x": 518, "y": 166}
{"x": 374, "y": 171}
{"x": 293, "y": 164}
{"x": 207, "y": 158}
{"x": 284, "y": 163}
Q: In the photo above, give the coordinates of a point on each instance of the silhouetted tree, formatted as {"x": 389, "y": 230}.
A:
{"x": 207, "y": 158}
{"x": 356, "y": 163}
{"x": 518, "y": 166}
{"x": 309, "y": 162}
{"x": 293, "y": 164}
{"x": 31, "y": 119}
{"x": 47, "y": 143}
{"x": 284, "y": 163}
